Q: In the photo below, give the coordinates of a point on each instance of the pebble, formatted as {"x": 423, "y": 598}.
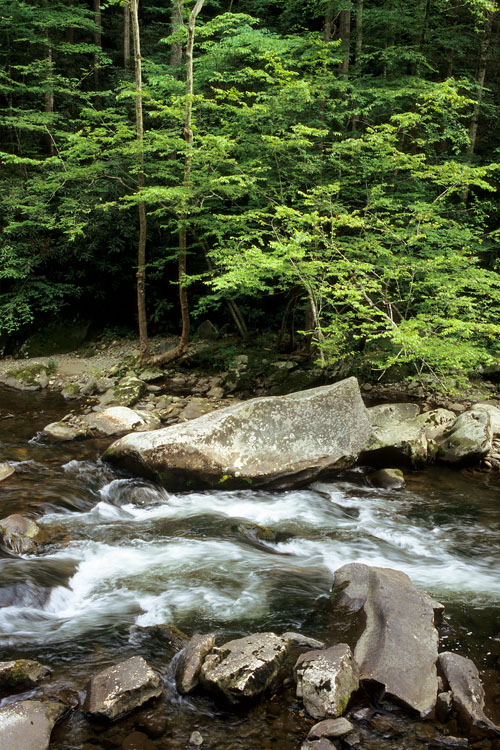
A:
{"x": 196, "y": 739}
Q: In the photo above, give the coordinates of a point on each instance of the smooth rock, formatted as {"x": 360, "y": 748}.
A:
{"x": 468, "y": 696}
{"x": 388, "y": 479}
{"x": 27, "y": 725}
{"x": 245, "y": 667}
{"x": 126, "y": 392}
{"x": 196, "y": 407}
{"x": 6, "y": 471}
{"x": 188, "y": 668}
{"x": 64, "y": 431}
{"x": 494, "y": 413}
{"x": 154, "y": 722}
{"x": 137, "y": 741}
{"x": 119, "y": 689}
{"x": 468, "y": 439}
{"x": 303, "y": 641}
{"x": 321, "y": 744}
{"x": 397, "y": 648}
{"x": 19, "y": 675}
{"x": 330, "y": 728}
{"x": 326, "y": 680}
{"x": 196, "y": 739}
{"x": 120, "y": 419}
{"x": 271, "y": 441}
{"x": 21, "y": 534}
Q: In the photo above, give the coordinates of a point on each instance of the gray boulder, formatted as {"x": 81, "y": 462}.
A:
{"x": 61, "y": 432}
{"x": 494, "y": 413}
{"x": 20, "y": 534}
{"x": 321, "y": 744}
{"x": 245, "y": 667}
{"x": 326, "y": 680}
{"x": 126, "y": 392}
{"x": 27, "y": 725}
{"x": 188, "y": 668}
{"x": 19, "y": 675}
{"x": 303, "y": 641}
{"x": 468, "y": 697}
{"x": 6, "y": 471}
{"x": 119, "y": 689}
{"x": 118, "y": 420}
{"x": 398, "y": 646}
{"x": 29, "y": 378}
{"x": 399, "y": 431}
{"x": 468, "y": 439}
{"x": 277, "y": 441}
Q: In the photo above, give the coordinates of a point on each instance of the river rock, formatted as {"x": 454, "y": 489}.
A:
{"x": 27, "y": 725}
{"x": 21, "y": 534}
{"x": 331, "y": 728}
{"x": 119, "y": 420}
{"x": 60, "y": 432}
{"x": 6, "y": 471}
{"x": 19, "y": 675}
{"x": 468, "y": 697}
{"x": 388, "y": 479}
{"x": 303, "y": 641}
{"x": 29, "y": 378}
{"x": 321, "y": 744}
{"x": 126, "y": 392}
{"x": 494, "y": 413}
{"x": 395, "y": 614}
{"x": 468, "y": 439}
{"x": 401, "y": 433}
{"x": 188, "y": 668}
{"x": 326, "y": 680}
{"x": 245, "y": 667}
{"x": 277, "y": 441}
{"x": 119, "y": 689}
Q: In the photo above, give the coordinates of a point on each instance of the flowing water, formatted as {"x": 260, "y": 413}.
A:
{"x": 129, "y": 557}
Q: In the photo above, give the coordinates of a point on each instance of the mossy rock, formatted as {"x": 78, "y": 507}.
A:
{"x": 29, "y": 378}
{"x": 58, "y": 338}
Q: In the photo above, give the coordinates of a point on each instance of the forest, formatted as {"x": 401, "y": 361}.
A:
{"x": 321, "y": 171}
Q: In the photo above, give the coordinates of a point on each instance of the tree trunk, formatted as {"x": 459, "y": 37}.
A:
{"x": 139, "y": 125}
{"x": 97, "y": 40}
{"x": 179, "y": 350}
{"x": 175, "y": 23}
{"x": 126, "y": 34}
{"x": 345, "y": 35}
{"x": 359, "y": 33}
{"x": 49, "y": 92}
{"x": 328, "y": 28}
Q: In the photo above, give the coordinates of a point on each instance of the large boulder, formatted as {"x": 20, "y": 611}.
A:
{"x": 19, "y": 675}
{"x": 468, "y": 439}
{"x": 400, "y": 433}
{"x": 245, "y": 667}
{"x": 494, "y": 413}
{"x": 27, "y": 725}
{"x": 276, "y": 441}
{"x": 326, "y": 680}
{"x": 119, "y": 689}
{"x": 467, "y": 692}
{"x": 28, "y": 378}
{"x": 20, "y": 534}
{"x": 398, "y": 645}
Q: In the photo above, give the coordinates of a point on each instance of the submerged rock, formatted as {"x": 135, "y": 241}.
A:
{"x": 189, "y": 664}
{"x": 326, "y": 680}
{"x": 388, "y": 479}
{"x": 398, "y": 647}
{"x": 29, "y": 378}
{"x": 21, "y": 674}
{"x": 273, "y": 441}
{"x": 21, "y": 534}
{"x": 119, "y": 689}
{"x": 469, "y": 438}
{"x": 245, "y": 667}
{"x": 27, "y": 725}
{"x": 6, "y": 471}
{"x": 468, "y": 696}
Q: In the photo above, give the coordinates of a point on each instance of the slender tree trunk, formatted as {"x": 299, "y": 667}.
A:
{"x": 49, "y": 91}
{"x": 345, "y": 35}
{"x": 175, "y": 23}
{"x": 183, "y": 217}
{"x": 126, "y": 34}
{"x": 358, "y": 49}
{"x": 97, "y": 40}
{"x": 329, "y": 23}
{"x": 139, "y": 124}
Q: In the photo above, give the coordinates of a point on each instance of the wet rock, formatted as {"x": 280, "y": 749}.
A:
{"x": 388, "y": 479}
{"x": 330, "y": 728}
{"x": 385, "y": 725}
{"x": 321, "y": 744}
{"x": 196, "y": 739}
{"x": 188, "y": 669}
{"x": 120, "y": 419}
{"x": 6, "y": 471}
{"x": 245, "y": 667}
{"x": 137, "y": 741}
{"x": 19, "y": 675}
{"x": 399, "y": 431}
{"x": 453, "y": 743}
{"x": 444, "y": 705}
{"x": 21, "y": 534}
{"x": 468, "y": 439}
{"x": 425, "y": 732}
{"x": 27, "y": 725}
{"x": 303, "y": 641}
{"x": 121, "y": 688}
{"x": 326, "y": 680}
{"x": 61, "y": 432}
{"x": 395, "y": 614}
{"x": 468, "y": 696}
{"x": 153, "y": 722}
{"x": 275, "y": 441}
{"x": 30, "y": 378}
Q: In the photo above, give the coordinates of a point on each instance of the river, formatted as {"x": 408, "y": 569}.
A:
{"x": 130, "y": 557}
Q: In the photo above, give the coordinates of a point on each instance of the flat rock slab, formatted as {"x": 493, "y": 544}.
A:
{"x": 245, "y": 667}
{"x": 276, "y": 441}
{"x": 398, "y": 647}
{"x": 326, "y": 680}
{"x": 468, "y": 439}
{"x": 121, "y": 688}
{"x": 188, "y": 669}
{"x": 467, "y": 693}
{"x": 27, "y": 725}
{"x": 21, "y": 674}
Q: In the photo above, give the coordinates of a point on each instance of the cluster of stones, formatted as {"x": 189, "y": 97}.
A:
{"x": 329, "y": 678}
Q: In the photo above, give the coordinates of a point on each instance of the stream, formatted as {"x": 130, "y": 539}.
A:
{"x": 131, "y": 558}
